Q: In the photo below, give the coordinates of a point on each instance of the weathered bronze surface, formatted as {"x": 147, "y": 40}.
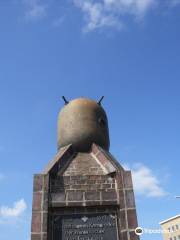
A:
{"x": 85, "y": 227}
{"x": 81, "y": 122}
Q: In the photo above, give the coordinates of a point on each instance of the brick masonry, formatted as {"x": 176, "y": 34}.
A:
{"x": 89, "y": 182}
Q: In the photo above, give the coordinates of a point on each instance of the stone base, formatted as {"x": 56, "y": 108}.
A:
{"x": 83, "y": 183}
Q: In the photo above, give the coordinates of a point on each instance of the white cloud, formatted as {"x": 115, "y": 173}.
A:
{"x": 35, "y": 9}
{"x": 134, "y": 7}
{"x": 96, "y": 15}
{"x": 110, "y": 13}
{"x": 18, "y": 208}
{"x": 99, "y": 14}
{"x": 145, "y": 182}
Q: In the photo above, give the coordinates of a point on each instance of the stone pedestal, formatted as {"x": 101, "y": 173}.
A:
{"x": 83, "y": 196}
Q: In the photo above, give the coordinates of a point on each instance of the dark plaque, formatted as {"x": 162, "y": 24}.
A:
{"x": 85, "y": 227}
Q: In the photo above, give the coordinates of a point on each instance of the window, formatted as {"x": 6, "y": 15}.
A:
{"x": 179, "y": 237}
{"x": 170, "y": 239}
{"x": 173, "y": 228}
{"x": 169, "y": 229}
{"x": 174, "y": 238}
{"x": 177, "y": 227}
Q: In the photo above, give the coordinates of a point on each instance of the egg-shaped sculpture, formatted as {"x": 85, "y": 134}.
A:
{"x": 82, "y": 122}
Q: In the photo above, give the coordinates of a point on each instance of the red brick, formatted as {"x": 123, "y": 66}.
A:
{"x": 123, "y": 221}
{"x": 130, "y": 202}
{"x": 45, "y": 222}
{"x": 37, "y": 199}
{"x": 75, "y": 195}
{"x": 38, "y": 182}
{"x": 127, "y": 179}
{"x": 109, "y": 202}
{"x": 75, "y": 204}
{"x": 132, "y": 219}
{"x": 133, "y": 236}
{"x": 101, "y": 157}
{"x": 94, "y": 148}
{"x": 92, "y": 195}
{"x": 105, "y": 186}
{"x": 95, "y": 177}
{"x": 121, "y": 199}
{"x": 94, "y": 187}
{"x": 66, "y": 179}
{"x": 110, "y": 195}
{"x": 35, "y": 236}
{"x": 124, "y": 236}
{"x": 58, "y": 197}
{"x": 44, "y": 236}
{"x": 92, "y": 203}
{"x": 46, "y": 182}
{"x": 36, "y": 222}
{"x": 119, "y": 180}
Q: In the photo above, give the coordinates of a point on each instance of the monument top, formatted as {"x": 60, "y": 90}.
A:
{"x": 82, "y": 122}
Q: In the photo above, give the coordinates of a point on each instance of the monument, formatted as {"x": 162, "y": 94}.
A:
{"x": 83, "y": 193}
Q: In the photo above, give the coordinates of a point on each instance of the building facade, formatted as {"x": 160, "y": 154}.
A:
{"x": 171, "y": 228}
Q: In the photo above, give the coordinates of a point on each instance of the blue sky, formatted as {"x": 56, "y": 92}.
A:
{"x": 128, "y": 51}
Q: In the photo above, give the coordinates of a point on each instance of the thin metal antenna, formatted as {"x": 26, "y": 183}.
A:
{"x": 66, "y": 102}
{"x": 99, "y": 102}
